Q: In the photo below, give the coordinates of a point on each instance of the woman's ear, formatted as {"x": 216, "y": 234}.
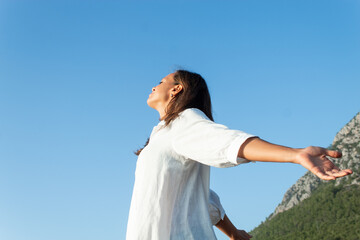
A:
{"x": 178, "y": 88}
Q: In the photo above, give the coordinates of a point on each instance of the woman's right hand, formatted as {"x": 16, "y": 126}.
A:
{"x": 241, "y": 235}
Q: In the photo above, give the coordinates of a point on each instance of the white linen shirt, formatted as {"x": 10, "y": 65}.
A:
{"x": 171, "y": 191}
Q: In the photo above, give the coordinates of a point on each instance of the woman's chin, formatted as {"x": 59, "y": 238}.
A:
{"x": 150, "y": 103}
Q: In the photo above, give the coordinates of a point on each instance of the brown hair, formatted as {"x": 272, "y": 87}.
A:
{"x": 194, "y": 94}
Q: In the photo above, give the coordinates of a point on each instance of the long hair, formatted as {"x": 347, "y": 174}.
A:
{"x": 194, "y": 94}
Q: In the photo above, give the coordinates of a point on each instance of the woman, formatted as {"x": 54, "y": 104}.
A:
{"x": 171, "y": 190}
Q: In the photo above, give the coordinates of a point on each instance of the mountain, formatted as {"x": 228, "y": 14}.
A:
{"x": 347, "y": 140}
{"x": 313, "y": 209}
{"x": 330, "y": 213}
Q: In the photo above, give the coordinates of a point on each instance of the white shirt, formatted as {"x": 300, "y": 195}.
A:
{"x": 171, "y": 190}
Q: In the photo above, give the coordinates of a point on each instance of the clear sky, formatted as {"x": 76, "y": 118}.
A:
{"x": 75, "y": 76}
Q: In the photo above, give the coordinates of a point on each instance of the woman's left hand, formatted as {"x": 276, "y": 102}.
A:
{"x": 241, "y": 235}
{"x": 315, "y": 159}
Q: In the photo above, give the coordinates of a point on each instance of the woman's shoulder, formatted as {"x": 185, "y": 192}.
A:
{"x": 192, "y": 113}
{"x": 188, "y": 117}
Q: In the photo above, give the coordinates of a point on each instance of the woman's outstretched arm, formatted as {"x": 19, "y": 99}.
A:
{"x": 312, "y": 158}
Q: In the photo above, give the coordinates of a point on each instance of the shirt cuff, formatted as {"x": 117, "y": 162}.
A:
{"x": 233, "y": 150}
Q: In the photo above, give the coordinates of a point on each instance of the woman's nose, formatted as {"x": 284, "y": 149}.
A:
{"x": 153, "y": 89}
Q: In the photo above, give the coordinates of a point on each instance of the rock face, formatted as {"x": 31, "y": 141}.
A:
{"x": 347, "y": 140}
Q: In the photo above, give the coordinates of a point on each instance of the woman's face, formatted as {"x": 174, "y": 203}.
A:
{"x": 161, "y": 94}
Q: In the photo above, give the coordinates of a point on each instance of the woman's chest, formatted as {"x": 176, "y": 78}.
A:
{"x": 158, "y": 158}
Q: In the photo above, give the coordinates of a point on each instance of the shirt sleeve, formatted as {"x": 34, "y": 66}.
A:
{"x": 216, "y": 210}
{"x": 196, "y": 137}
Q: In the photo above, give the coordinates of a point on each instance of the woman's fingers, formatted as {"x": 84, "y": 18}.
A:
{"x": 324, "y": 176}
{"x": 247, "y": 235}
{"x": 331, "y": 174}
{"x": 340, "y": 173}
{"x": 243, "y": 235}
{"x": 332, "y": 153}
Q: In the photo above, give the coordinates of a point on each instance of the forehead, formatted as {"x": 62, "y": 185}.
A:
{"x": 169, "y": 77}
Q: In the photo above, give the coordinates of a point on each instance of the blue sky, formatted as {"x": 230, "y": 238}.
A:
{"x": 75, "y": 76}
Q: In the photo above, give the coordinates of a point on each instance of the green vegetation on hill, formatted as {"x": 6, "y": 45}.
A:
{"x": 331, "y": 213}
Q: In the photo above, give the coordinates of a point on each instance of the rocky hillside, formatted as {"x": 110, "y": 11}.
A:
{"x": 347, "y": 140}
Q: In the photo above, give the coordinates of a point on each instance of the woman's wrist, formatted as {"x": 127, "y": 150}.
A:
{"x": 294, "y": 155}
